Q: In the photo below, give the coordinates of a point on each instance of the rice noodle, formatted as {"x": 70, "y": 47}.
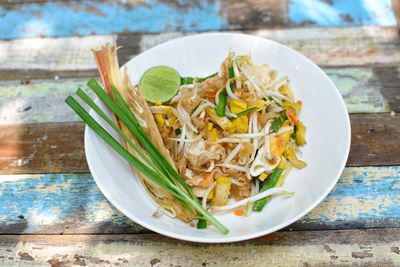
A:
{"x": 269, "y": 192}
{"x": 206, "y": 193}
{"x": 161, "y": 211}
{"x": 236, "y": 182}
{"x": 233, "y": 153}
{"x": 233, "y": 166}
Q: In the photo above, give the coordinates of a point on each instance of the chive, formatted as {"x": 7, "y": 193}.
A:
{"x": 161, "y": 171}
{"x": 270, "y": 183}
{"x": 277, "y": 123}
{"x": 231, "y": 73}
{"x": 178, "y": 131}
{"x": 186, "y": 80}
{"x": 244, "y": 112}
{"x": 220, "y": 109}
{"x": 202, "y": 224}
{"x": 273, "y": 99}
{"x": 190, "y": 80}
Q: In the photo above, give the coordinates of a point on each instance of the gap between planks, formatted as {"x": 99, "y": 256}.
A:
{"x": 354, "y": 46}
{"x": 365, "y": 90}
{"x": 59, "y": 148}
{"x": 364, "y": 197}
{"x": 378, "y": 247}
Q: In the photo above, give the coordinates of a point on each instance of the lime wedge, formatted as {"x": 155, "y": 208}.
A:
{"x": 160, "y": 83}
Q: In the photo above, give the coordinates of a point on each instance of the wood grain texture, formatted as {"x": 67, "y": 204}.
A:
{"x": 375, "y": 140}
{"x": 364, "y": 197}
{"x": 365, "y": 90}
{"x": 354, "y": 46}
{"x": 50, "y": 148}
{"x": 341, "y": 12}
{"x": 70, "y": 18}
{"x": 379, "y": 247}
{"x": 35, "y": 148}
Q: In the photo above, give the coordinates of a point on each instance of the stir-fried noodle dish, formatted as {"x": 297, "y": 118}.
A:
{"x": 218, "y": 144}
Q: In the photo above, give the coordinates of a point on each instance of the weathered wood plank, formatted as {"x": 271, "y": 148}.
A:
{"x": 341, "y": 12}
{"x": 45, "y": 147}
{"x": 375, "y": 140}
{"x": 365, "y": 197}
{"x": 365, "y": 90}
{"x": 58, "y": 147}
{"x": 379, "y": 247}
{"x": 357, "y": 46}
{"x": 69, "y": 18}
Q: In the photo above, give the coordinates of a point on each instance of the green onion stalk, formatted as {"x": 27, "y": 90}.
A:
{"x": 151, "y": 164}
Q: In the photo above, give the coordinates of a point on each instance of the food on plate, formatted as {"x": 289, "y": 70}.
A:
{"x": 201, "y": 146}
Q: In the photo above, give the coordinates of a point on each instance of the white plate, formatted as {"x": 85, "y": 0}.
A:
{"x": 323, "y": 113}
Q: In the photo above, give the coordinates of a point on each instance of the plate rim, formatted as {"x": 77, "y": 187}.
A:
{"x": 226, "y": 238}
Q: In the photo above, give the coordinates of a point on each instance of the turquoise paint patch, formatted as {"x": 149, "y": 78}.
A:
{"x": 91, "y": 17}
{"x": 59, "y": 199}
{"x": 342, "y": 12}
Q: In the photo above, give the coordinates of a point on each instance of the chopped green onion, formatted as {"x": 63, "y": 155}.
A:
{"x": 186, "y": 80}
{"x": 153, "y": 164}
{"x": 202, "y": 224}
{"x": 231, "y": 73}
{"x": 178, "y": 131}
{"x": 220, "y": 109}
{"x": 190, "y": 80}
{"x": 244, "y": 112}
{"x": 269, "y": 183}
{"x": 277, "y": 123}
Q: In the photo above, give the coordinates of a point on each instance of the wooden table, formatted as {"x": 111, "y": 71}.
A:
{"x": 51, "y": 211}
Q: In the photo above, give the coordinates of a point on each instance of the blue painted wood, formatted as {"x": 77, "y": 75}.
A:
{"x": 342, "y": 12}
{"x": 92, "y": 17}
{"x": 88, "y": 17}
{"x": 365, "y": 197}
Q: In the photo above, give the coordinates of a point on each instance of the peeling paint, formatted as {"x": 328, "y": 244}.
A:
{"x": 342, "y": 12}
{"x": 72, "y": 202}
{"x": 83, "y": 18}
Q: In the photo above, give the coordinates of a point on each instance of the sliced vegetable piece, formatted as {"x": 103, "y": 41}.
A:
{"x": 245, "y": 112}
{"x": 300, "y": 131}
{"x": 202, "y": 224}
{"x": 270, "y": 183}
{"x": 220, "y": 110}
{"x": 277, "y": 123}
{"x": 290, "y": 154}
{"x": 222, "y": 122}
